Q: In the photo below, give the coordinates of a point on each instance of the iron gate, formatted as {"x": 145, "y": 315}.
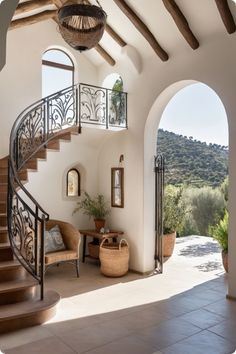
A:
{"x": 159, "y": 169}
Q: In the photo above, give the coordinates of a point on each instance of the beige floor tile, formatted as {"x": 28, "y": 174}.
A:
{"x": 201, "y": 343}
{"x": 94, "y": 336}
{"x": 224, "y": 308}
{"x": 226, "y": 329}
{"x": 168, "y": 333}
{"x": 96, "y": 311}
{"x": 202, "y": 318}
{"x": 24, "y": 336}
{"x": 125, "y": 345}
{"x": 46, "y": 346}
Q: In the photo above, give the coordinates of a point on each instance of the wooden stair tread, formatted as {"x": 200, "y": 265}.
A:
{"x": 9, "y": 264}
{"x": 27, "y": 308}
{"x": 14, "y": 285}
{"x": 4, "y": 245}
{"x": 3, "y": 228}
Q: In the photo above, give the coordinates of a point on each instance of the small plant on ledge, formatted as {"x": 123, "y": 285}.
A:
{"x": 96, "y": 207}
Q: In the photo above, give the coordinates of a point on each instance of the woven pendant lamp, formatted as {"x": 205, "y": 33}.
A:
{"x": 81, "y": 24}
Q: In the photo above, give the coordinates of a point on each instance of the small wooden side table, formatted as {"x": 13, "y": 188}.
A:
{"x": 99, "y": 236}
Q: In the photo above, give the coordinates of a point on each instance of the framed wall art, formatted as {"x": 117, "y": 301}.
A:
{"x": 117, "y": 187}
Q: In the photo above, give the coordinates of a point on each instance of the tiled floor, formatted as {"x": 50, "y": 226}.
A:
{"x": 183, "y": 311}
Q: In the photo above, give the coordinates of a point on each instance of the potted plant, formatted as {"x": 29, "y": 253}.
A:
{"x": 174, "y": 211}
{"x": 220, "y": 233}
{"x": 96, "y": 207}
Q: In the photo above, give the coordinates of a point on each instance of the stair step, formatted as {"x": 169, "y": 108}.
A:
{"x": 65, "y": 136}
{"x": 11, "y": 270}
{"x": 4, "y": 245}
{"x": 3, "y": 187}
{"x": 4, "y": 177}
{"x": 3, "y": 196}
{"x": 53, "y": 145}
{"x": 28, "y": 313}
{"x": 23, "y": 175}
{"x": 31, "y": 164}
{"x": 6, "y": 253}
{"x": 41, "y": 154}
{"x": 3, "y": 207}
{"x": 17, "y": 291}
{"x": 3, "y": 229}
{"x": 3, "y": 219}
{"x": 4, "y": 234}
{"x": 4, "y": 163}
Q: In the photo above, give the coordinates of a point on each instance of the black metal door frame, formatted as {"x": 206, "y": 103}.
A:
{"x": 159, "y": 169}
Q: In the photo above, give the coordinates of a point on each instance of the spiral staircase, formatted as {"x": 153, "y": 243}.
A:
{"x": 41, "y": 127}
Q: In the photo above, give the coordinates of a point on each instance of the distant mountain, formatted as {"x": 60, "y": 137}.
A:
{"x": 191, "y": 161}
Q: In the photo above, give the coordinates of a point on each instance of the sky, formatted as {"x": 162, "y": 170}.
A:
{"x": 197, "y": 111}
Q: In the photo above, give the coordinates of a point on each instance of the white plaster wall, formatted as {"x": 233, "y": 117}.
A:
{"x": 20, "y": 80}
{"x": 48, "y": 184}
{"x": 213, "y": 64}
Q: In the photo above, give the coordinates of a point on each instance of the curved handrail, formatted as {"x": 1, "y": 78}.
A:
{"x": 19, "y": 121}
{"x": 31, "y": 132}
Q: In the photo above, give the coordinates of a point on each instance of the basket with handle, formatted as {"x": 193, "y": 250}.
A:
{"x": 114, "y": 258}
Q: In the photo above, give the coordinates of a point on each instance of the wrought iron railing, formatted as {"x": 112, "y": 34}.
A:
{"x": 33, "y": 129}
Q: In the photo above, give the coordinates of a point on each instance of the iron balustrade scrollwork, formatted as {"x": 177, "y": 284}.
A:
{"x": 102, "y": 106}
{"x": 31, "y": 132}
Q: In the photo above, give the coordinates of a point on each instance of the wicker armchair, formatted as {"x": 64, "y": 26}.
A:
{"x": 71, "y": 239}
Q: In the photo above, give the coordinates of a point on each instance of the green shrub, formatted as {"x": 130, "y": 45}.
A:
{"x": 224, "y": 187}
{"x": 207, "y": 207}
{"x": 220, "y": 231}
{"x": 174, "y": 209}
{"x": 96, "y": 207}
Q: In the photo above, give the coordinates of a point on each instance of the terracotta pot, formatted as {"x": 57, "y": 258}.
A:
{"x": 224, "y": 255}
{"x": 168, "y": 244}
{"x": 99, "y": 224}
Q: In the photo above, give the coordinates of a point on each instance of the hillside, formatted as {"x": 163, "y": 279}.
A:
{"x": 191, "y": 161}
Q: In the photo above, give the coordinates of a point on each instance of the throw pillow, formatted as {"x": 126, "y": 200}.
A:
{"x": 53, "y": 240}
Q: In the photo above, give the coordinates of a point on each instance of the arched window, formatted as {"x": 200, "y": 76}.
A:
{"x": 57, "y": 71}
{"x": 73, "y": 183}
{"x": 114, "y": 82}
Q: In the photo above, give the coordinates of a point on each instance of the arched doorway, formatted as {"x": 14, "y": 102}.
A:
{"x": 150, "y": 139}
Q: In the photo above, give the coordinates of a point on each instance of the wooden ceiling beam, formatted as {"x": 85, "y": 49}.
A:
{"x": 226, "y": 15}
{"x": 142, "y": 28}
{"x": 30, "y": 20}
{"x": 115, "y": 36}
{"x": 105, "y": 55}
{"x": 31, "y": 5}
{"x": 181, "y": 22}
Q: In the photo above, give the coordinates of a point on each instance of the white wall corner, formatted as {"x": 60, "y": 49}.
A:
{"x": 7, "y": 9}
{"x": 133, "y": 57}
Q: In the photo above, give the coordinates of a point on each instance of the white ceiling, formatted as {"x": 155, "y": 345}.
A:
{"x": 202, "y": 15}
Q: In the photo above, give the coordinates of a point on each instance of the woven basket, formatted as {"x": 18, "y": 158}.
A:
{"x": 114, "y": 258}
{"x": 93, "y": 250}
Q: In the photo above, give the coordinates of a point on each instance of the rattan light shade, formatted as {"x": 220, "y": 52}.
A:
{"x": 81, "y": 25}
